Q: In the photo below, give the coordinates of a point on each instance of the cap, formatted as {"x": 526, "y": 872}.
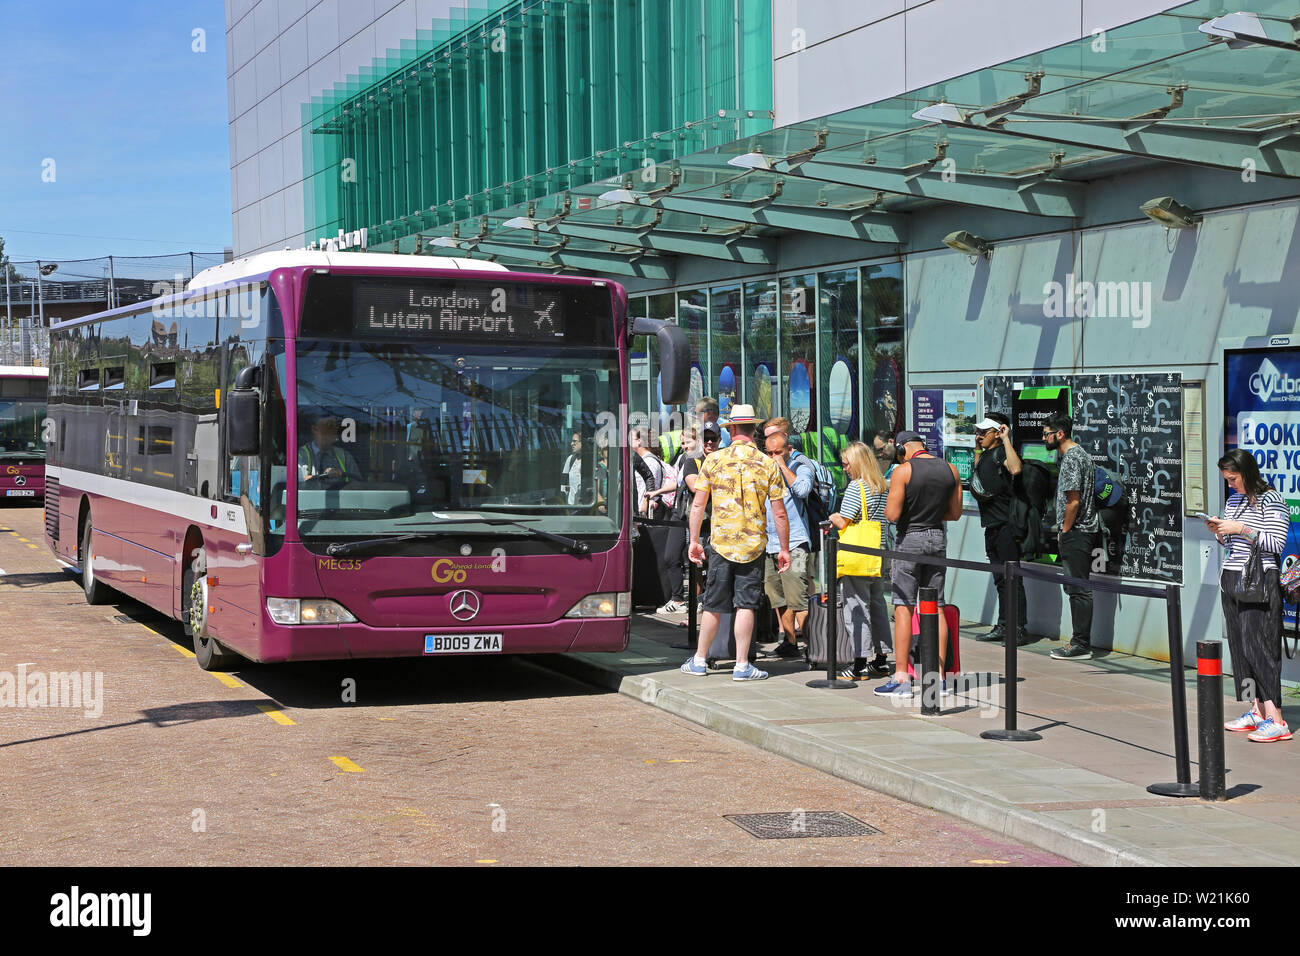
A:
{"x": 987, "y": 425}
{"x": 904, "y": 437}
{"x": 710, "y": 428}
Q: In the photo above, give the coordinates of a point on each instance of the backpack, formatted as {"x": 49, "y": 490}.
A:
{"x": 822, "y": 499}
{"x": 1033, "y": 508}
{"x": 1109, "y": 489}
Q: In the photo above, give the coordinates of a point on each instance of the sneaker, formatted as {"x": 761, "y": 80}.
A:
{"x": 879, "y": 666}
{"x": 895, "y": 688}
{"x": 694, "y": 669}
{"x": 847, "y": 673}
{"x": 1247, "y": 721}
{"x": 1023, "y": 637}
{"x": 1270, "y": 730}
{"x": 1072, "y": 651}
{"x": 748, "y": 672}
{"x": 997, "y": 634}
{"x": 672, "y": 607}
{"x": 785, "y": 649}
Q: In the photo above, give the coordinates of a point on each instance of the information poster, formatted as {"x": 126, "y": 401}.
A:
{"x": 1131, "y": 425}
{"x": 1261, "y": 393}
{"x": 927, "y": 418}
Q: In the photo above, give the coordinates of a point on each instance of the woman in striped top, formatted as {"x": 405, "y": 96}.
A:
{"x": 864, "y": 598}
{"x": 1255, "y": 516}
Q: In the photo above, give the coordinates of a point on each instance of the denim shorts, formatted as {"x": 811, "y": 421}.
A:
{"x": 907, "y": 577}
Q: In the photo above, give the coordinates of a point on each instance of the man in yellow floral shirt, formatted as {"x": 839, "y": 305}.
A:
{"x": 740, "y": 480}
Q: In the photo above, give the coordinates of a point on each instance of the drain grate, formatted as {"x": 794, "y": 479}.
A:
{"x": 801, "y": 823}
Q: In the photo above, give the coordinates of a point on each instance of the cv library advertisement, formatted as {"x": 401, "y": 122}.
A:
{"x": 1132, "y": 426}
{"x": 1261, "y": 397}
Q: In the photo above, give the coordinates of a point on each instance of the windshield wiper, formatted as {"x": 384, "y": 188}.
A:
{"x": 571, "y": 544}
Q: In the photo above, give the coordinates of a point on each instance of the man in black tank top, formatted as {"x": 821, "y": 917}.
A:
{"x": 924, "y": 494}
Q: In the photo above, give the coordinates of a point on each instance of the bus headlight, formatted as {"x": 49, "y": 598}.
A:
{"x": 308, "y": 611}
{"x": 610, "y": 604}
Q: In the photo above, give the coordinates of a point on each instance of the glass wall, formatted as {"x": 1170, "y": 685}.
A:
{"x": 822, "y": 349}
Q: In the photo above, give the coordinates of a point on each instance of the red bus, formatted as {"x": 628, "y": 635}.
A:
{"x": 318, "y": 455}
{"x": 22, "y": 432}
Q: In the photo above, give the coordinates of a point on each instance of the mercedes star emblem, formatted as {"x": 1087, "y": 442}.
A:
{"x": 20, "y": 480}
{"x": 464, "y": 605}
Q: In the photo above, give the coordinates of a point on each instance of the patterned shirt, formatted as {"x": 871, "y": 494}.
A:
{"x": 740, "y": 481}
{"x": 1078, "y": 473}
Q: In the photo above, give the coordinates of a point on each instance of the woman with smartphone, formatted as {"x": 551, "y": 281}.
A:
{"x": 1255, "y": 517}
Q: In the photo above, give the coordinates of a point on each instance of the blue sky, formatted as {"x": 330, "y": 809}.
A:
{"x": 135, "y": 121}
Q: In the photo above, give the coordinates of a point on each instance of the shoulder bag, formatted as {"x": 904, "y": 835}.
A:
{"x": 864, "y": 533}
{"x": 1252, "y": 586}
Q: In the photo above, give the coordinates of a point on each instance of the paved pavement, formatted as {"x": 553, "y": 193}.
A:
{"x": 1080, "y": 791}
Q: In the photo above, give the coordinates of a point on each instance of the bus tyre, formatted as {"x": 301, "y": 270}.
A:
{"x": 207, "y": 651}
{"x": 97, "y": 592}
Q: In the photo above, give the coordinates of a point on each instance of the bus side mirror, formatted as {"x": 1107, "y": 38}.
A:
{"x": 242, "y": 414}
{"x": 674, "y": 358}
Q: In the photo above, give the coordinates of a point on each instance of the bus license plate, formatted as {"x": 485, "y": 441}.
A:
{"x": 462, "y": 643}
{"x": 20, "y": 493}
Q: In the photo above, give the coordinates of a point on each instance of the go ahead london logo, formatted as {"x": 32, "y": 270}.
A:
{"x": 1271, "y": 384}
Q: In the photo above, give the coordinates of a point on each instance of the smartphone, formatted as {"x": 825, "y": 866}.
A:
{"x": 1202, "y": 515}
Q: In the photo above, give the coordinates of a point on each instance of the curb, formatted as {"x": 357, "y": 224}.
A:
{"x": 915, "y": 787}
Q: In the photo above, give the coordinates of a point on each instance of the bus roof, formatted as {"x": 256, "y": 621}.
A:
{"x": 24, "y": 371}
{"x": 265, "y": 262}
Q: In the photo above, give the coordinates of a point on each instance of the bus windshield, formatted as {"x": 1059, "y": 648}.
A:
{"x": 22, "y": 407}
{"x": 396, "y": 437}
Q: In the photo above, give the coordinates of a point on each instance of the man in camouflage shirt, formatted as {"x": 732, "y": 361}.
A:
{"x": 739, "y": 480}
{"x": 1076, "y": 512}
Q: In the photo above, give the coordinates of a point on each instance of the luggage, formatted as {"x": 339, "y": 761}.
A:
{"x": 953, "y": 664}
{"x": 814, "y": 630}
{"x": 723, "y": 648}
{"x": 647, "y": 578}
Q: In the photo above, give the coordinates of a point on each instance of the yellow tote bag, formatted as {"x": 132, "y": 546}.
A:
{"x": 865, "y": 534}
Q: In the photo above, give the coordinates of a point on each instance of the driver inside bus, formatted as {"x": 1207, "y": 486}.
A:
{"x": 323, "y": 457}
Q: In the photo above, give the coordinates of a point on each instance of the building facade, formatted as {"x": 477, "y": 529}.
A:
{"x": 791, "y": 181}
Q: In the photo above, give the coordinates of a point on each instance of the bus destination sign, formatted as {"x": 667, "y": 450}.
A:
{"x": 458, "y": 310}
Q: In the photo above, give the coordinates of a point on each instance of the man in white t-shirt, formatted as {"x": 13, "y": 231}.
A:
{"x": 571, "y": 473}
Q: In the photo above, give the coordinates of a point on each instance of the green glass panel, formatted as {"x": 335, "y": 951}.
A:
{"x": 726, "y": 365}
{"x": 799, "y": 351}
{"x": 883, "y": 362}
{"x": 762, "y": 380}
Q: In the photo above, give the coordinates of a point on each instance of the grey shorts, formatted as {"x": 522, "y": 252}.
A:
{"x": 907, "y": 577}
{"x": 791, "y": 588}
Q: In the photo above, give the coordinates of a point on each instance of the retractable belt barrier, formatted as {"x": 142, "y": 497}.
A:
{"x": 1184, "y": 787}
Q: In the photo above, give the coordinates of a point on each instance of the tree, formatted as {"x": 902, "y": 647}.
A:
{"x": 6, "y": 266}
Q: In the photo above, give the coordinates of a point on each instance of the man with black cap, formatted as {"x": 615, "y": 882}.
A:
{"x": 924, "y": 493}
{"x": 997, "y": 468}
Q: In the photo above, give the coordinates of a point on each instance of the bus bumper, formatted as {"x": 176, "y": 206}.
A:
{"x": 332, "y": 642}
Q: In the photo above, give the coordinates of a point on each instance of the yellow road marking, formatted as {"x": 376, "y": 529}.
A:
{"x": 184, "y": 652}
{"x": 275, "y": 715}
{"x": 485, "y": 861}
{"x": 679, "y": 761}
{"x": 346, "y": 765}
{"x": 652, "y": 761}
{"x": 387, "y": 718}
{"x": 24, "y": 539}
{"x": 991, "y": 862}
{"x": 226, "y": 679}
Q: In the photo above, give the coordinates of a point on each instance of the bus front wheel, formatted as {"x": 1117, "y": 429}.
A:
{"x": 207, "y": 651}
{"x": 97, "y": 592}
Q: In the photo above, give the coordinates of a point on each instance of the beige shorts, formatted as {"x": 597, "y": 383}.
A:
{"x": 789, "y": 589}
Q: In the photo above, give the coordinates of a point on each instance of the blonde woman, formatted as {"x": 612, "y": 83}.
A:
{"x": 864, "y": 609}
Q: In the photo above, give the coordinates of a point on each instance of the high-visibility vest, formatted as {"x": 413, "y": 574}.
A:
{"x": 305, "y": 453}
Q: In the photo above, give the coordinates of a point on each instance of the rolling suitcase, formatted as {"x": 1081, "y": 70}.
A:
{"x": 953, "y": 664}
{"x": 723, "y": 647}
{"x": 647, "y": 581}
{"x": 814, "y": 630}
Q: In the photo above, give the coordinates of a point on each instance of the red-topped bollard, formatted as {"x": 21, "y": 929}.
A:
{"x": 1209, "y": 718}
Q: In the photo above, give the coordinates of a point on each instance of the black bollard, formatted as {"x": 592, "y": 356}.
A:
{"x": 1209, "y": 718}
{"x": 1182, "y": 761}
{"x": 928, "y": 635}
{"x": 692, "y": 604}
{"x": 1010, "y": 572}
{"x": 830, "y": 543}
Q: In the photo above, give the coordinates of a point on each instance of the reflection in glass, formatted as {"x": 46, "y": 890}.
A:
{"x": 761, "y": 394}
{"x": 839, "y": 403}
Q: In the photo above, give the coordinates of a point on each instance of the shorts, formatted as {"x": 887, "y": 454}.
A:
{"x": 788, "y": 589}
{"x": 732, "y": 584}
{"x": 907, "y": 577}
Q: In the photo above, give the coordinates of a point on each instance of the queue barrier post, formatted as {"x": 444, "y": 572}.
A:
{"x": 1209, "y": 719}
{"x": 1011, "y": 578}
{"x": 928, "y": 633}
{"x": 832, "y": 681}
{"x": 1183, "y": 787}
{"x": 692, "y": 604}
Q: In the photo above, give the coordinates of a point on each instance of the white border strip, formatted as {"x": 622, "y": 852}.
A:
{"x": 178, "y": 504}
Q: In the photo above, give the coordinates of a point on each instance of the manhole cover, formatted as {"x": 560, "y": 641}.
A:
{"x": 801, "y": 823}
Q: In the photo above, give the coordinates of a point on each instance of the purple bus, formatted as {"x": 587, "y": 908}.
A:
{"x": 320, "y": 455}
{"x": 22, "y": 434}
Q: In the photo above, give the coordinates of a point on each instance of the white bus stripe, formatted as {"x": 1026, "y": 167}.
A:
{"x": 189, "y": 507}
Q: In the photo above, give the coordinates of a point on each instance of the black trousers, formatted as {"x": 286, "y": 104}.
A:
{"x": 1254, "y": 633}
{"x": 1078, "y": 551}
{"x": 1001, "y": 546}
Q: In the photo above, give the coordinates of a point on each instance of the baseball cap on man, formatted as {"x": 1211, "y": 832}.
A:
{"x": 987, "y": 425}
{"x": 904, "y": 437}
{"x": 710, "y": 428}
